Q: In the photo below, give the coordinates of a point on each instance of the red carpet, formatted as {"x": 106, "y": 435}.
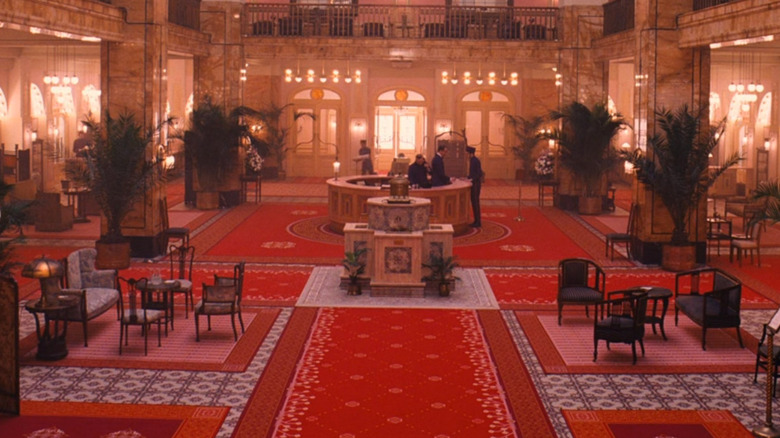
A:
{"x": 271, "y": 241}
{"x": 538, "y": 288}
{"x": 763, "y": 279}
{"x": 654, "y": 424}
{"x": 535, "y": 241}
{"x": 216, "y": 351}
{"x": 93, "y": 420}
{"x": 568, "y": 348}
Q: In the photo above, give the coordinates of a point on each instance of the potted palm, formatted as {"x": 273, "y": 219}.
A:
{"x": 526, "y": 133}
{"x": 214, "y": 140}
{"x": 678, "y": 171}
{"x": 118, "y": 174}
{"x": 586, "y": 150}
{"x": 441, "y": 272}
{"x": 272, "y": 135}
{"x": 770, "y": 191}
{"x": 355, "y": 264}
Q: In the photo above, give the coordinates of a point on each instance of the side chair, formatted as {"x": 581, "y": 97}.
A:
{"x": 749, "y": 242}
{"x": 622, "y": 320}
{"x": 132, "y": 315}
{"x": 176, "y": 233}
{"x": 181, "y": 258}
{"x": 236, "y": 280}
{"x": 581, "y": 282}
{"x": 624, "y": 238}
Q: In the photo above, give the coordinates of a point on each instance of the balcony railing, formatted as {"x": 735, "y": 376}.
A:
{"x": 409, "y": 22}
{"x": 703, "y": 4}
{"x": 618, "y": 16}
{"x": 184, "y": 13}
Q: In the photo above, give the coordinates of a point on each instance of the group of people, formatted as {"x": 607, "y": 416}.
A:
{"x": 424, "y": 175}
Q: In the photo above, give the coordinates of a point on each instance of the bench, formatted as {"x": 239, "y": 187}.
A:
{"x": 710, "y": 298}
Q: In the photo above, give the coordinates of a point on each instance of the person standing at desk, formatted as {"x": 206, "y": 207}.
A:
{"x": 438, "y": 176}
{"x": 367, "y": 166}
{"x": 418, "y": 173}
{"x": 475, "y": 176}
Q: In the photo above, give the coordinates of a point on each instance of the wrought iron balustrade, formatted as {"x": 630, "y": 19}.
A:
{"x": 618, "y": 16}
{"x": 184, "y": 13}
{"x": 703, "y": 4}
{"x": 408, "y": 22}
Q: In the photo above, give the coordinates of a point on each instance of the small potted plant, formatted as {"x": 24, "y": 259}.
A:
{"x": 355, "y": 264}
{"x": 441, "y": 272}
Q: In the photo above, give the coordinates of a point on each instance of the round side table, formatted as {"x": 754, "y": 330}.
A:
{"x": 654, "y": 294}
{"x": 51, "y": 334}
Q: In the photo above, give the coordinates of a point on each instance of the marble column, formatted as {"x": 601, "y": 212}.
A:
{"x": 668, "y": 76}
{"x": 219, "y": 73}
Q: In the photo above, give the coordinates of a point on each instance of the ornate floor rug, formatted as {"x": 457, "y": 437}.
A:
{"x": 88, "y": 420}
{"x": 216, "y": 351}
{"x": 568, "y": 348}
{"x": 654, "y": 424}
{"x": 471, "y": 292}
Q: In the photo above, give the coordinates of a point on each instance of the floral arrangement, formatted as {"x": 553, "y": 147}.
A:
{"x": 545, "y": 164}
{"x": 253, "y": 160}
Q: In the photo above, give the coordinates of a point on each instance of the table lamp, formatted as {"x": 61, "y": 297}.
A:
{"x": 48, "y": 272}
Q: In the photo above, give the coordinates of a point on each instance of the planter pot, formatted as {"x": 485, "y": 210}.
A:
{"x": 112, "y": 255}
{"x": 282, "y": 174}
{"x": 207, "y": 200}
{"x": 678, "y": 258}
{"x": 444, "y": 289}
{"x": 589, "y": 205}
{"x": 354, "y": 289}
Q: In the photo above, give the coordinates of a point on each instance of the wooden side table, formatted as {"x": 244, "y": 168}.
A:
{"x": 257, "y": 180}
{"x": 51, "y": 334}
{"x": 543, "y": 186}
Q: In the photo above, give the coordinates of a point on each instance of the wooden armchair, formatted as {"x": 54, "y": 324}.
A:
{"x": 622, "y": 320}
{"x": 748, "y": 242}
{"x": 581, "y": 282}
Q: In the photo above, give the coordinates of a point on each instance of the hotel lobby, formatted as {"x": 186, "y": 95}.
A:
{"x": 310, "y": 360}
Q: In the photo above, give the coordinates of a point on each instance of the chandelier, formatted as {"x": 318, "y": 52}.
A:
{"x": 333, "y": 75}
{"x": 467, "y": 77}
{"x": 60, "y": 73}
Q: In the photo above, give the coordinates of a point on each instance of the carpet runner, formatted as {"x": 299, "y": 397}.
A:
{"x": 654, "y": 424}
{"x": 93, "y": 420}
{"x": 472, "y": 292}
{"x": 392, "y": 373}
{"x": 216, "y": 351}
{"x": 568, "y": 348}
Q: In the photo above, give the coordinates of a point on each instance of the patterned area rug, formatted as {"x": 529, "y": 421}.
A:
{"x": 654, "y": 424}
{"x": 472, "y": 292}
{"x": 568, "y": 348}
{"x": 363, "y": 374}
{"x": 216, "y": 351}
{"x": 66, "y": 419}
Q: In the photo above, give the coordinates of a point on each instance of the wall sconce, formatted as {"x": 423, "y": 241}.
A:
{"x": 336, "y": 168}
{"x": 34, "y": 135}
{"x": 628, "y": 168}
{"x": 767, "y": 144}
{"x": 443, "y": 126}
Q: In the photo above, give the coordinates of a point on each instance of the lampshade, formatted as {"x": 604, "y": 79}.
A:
{"x": 43, "y": 268}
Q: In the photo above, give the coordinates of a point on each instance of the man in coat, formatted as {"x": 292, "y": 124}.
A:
{"x": 475, "y": 176}
{"x": 438, "y": 176}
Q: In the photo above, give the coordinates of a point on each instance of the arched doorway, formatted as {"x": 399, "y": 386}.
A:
{"x": 482, "y": 116}
{"x": 400, "y": 121}
{"x": 314, "y": 140}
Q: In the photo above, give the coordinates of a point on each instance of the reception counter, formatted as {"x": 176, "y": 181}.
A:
{"x": 348, "y": 196}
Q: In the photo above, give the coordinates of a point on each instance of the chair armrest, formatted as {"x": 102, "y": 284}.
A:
{"x": 81, "y": 294}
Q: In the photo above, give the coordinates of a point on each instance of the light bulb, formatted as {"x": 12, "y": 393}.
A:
{"x": 745, "y": 107}
{"x": 55, "y": 80}
{"x": 740, "y": 87}
{"x": 47, "y": 79}
{"x": 454, "y": 81}
{"x": 760, "y": 87}
{"x": 74, "y": 80}
{"x": 288, "y": 78}
{"x": 298, "y": 79}
{"x": 751, "y": 87}
{"x": 504, "y": 81}
{"x": 66, "y": 80}
{"x": 732, "y": 87}
{"x": 323, "y": 79}
{"x": 479, "y": 81}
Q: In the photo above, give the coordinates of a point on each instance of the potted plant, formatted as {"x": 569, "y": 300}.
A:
{"x": 355, "y": 264}
{"x": 118, "y": 174}
{"x": 678, "y": 171}
{"x": 585, "y": 149}
{"x": 527, "y": 136}
{"x": 441, "y": 272}
{"x": 770, "y": 191}
{"x": 272, "y": 136}
{"x": 544, "y": 166}
{"x": 213, "y": 141}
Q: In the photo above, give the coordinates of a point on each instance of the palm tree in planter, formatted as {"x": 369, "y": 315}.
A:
{"x": 678, "y": 171}
{"x": 769, "y": 191}
{"x": 586, "y": 150}
{"x": 441, "y": 272}
{"x": 527, "y": 137}
{"x": 355, "y": 264}
{"x": 272, "y": 136}
{"x": 118, "y": 174}
{"x": 214, "y": 141}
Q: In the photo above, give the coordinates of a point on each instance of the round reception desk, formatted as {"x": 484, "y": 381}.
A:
{"x": 347, "y": 198}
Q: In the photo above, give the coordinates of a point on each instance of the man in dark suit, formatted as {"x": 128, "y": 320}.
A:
{"x": 438, "y": 176}
{"x": 418, "y": 173}
{"x": 475, "y": 176}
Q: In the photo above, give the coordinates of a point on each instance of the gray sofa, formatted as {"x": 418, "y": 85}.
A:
{"x": 95, "y": 288}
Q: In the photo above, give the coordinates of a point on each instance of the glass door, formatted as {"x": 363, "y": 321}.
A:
{"x": 485, "y": 131}
{"x": 398, "y": 130}
{"x": 315, "y": 140}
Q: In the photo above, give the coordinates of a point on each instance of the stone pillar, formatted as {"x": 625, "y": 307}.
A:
{"x": 134, "y": 79}
{"x": 668, "y": 77}
{"x": 219, "y": 73}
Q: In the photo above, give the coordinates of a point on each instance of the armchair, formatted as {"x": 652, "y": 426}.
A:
{"x": 748, "y": 242}
{"x": 710, "y": 298}
{"x": 96, "y": 288}
{"x": 580, "y": 281}
{"x": 622, "y": 320}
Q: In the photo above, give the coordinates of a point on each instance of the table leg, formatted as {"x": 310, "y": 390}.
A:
{"x": 665, "y": 302}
